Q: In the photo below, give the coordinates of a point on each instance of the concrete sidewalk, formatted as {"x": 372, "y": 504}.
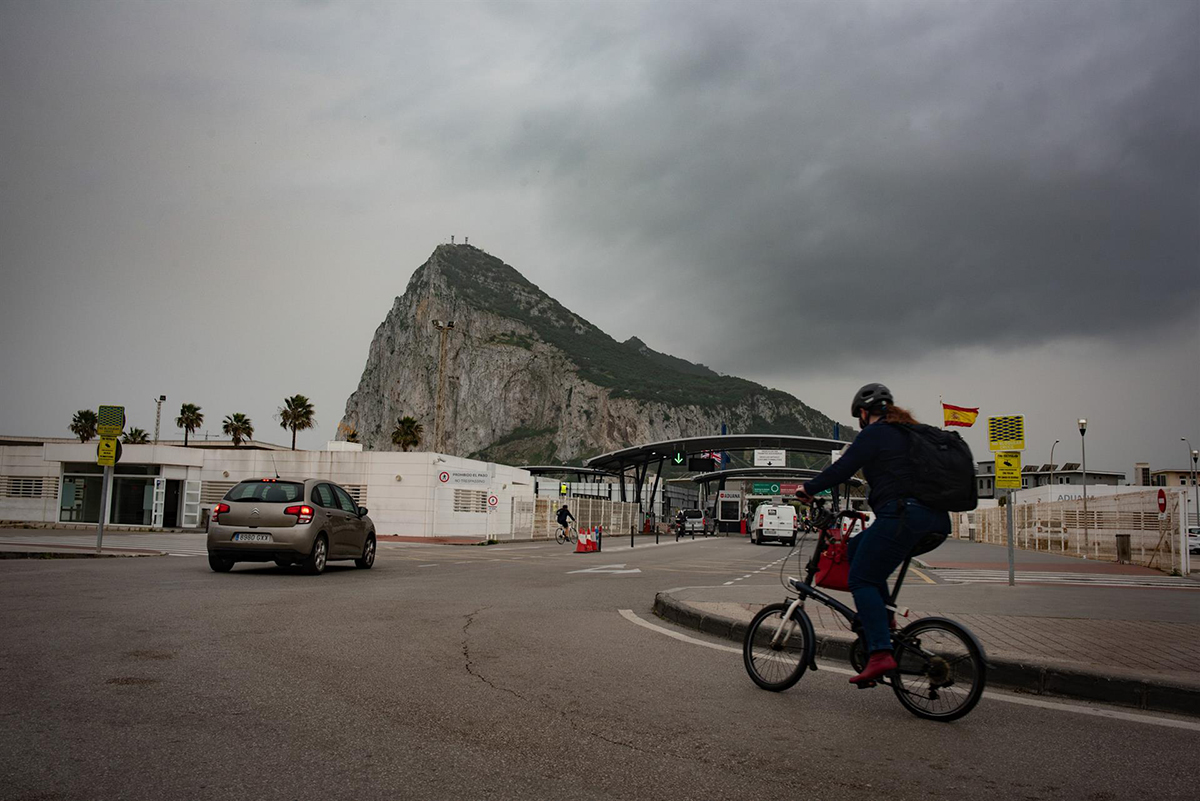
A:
{"x": 1130, "y": 645}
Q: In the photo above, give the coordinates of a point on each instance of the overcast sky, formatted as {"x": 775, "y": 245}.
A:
{"x": 994, "y": 202}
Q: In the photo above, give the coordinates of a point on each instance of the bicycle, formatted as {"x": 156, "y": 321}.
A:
{"x": 567, "y": 532}
{"x": 941, "y": 666}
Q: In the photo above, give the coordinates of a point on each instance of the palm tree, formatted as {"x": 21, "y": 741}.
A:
{"x": 408, "y": 433}
{"x": 238, "y": 427}
{"x": 135, "y": 436}
{"x": 189, "y": 420}
{"x": 296, "y": 413}
{"x": 83, "y": 424}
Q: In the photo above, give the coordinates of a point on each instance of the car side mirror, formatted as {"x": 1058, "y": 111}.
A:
{"x": 362, "y": 511}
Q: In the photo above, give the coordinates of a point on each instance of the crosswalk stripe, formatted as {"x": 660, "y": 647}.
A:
{"x": 1092, "y": 579}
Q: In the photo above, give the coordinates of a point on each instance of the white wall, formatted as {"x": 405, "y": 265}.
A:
{"x": 401, "y": 490}
{"x": 21, "y": 461}
{"x": 1070, "y": 492}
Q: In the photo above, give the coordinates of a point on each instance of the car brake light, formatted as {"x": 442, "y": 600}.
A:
{"x": 220, "y": 509}
{"x": 304, "y": 514}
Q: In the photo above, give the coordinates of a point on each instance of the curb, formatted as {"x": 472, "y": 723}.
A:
{"x": 1035, "y": 677}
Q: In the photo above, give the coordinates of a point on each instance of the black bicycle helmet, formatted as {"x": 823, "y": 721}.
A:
{"x": 872, "y": 397}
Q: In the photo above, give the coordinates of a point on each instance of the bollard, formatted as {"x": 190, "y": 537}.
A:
{"x": 632, "y": 528}
{"x": 599, "y": 538}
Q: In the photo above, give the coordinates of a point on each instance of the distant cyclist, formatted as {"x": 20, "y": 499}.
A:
{"x": 881, "y": 451}
{"x": 563, "y": 515}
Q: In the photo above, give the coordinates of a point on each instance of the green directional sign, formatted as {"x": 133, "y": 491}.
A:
{"x": 678, "y": 457}
{"x": 765, "y": 488}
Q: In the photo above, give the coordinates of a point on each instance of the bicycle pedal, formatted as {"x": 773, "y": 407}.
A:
{"x": 865, "y": 685}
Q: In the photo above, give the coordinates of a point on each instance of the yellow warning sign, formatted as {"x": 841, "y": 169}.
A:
{"x": 106, "y": 452}
{"x": 1008, "y": 469}
{"x": 110, "y": 421}
{"x": 1006, "y": 433}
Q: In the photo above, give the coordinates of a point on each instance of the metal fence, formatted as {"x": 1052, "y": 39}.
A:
{"x": 1059, "y": 527}
{"x": 535, "y": 519}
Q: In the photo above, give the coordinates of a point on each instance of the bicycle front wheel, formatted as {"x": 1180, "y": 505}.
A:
{"x": 942, "y": 669}
{"x": 777, "y": 652}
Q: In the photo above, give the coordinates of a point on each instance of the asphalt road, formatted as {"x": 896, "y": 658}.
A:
{"x": 470, "y": 672}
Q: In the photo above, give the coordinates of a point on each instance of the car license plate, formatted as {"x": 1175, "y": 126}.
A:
{"x": 245, "y": 536}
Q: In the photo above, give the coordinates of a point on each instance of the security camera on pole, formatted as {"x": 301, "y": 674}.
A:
{"x": 1006, "y": 437}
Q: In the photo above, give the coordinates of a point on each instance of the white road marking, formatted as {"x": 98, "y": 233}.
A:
{"x": 992, "y": 695}
{"x": 435, "y": 564}
{"x": 964, "y": 576}
{"x": 606, "y": 569}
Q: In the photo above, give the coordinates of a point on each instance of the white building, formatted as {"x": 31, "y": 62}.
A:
{"x": 57, "y": 482}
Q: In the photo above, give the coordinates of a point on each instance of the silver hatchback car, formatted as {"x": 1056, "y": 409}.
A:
{"x": 308, "y": 522}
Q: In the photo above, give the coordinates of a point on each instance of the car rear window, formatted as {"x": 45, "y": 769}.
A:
{"x": 266, "y": 492}
{"x": 692, "y": 514}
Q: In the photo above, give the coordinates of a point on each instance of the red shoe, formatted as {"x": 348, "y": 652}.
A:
{"x": 880, "y": 663}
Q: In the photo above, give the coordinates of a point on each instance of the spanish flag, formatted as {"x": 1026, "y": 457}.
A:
{"x": 958, "y": 415}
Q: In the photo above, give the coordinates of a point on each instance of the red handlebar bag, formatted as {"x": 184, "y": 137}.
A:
{"x": 833, "y": 566}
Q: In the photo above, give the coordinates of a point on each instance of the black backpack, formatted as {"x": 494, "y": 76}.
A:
{"x": 943, "y": 470}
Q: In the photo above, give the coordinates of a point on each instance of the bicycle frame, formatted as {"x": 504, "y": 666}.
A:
{"x": 805, "y": 590}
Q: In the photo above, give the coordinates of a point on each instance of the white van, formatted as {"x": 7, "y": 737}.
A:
{"x": 773, "y": 522}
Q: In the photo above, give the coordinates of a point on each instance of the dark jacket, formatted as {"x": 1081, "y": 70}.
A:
{"x": 881, "y": 451}
{"x": 563, "y": 514}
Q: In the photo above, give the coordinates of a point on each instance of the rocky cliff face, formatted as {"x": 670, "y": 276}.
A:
{"x": 529, "y": 382}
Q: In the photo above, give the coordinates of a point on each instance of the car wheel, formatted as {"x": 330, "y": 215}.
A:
{"x": 368, "y": 557}
{"x": 314, "y": 565}
{"x": 220, "y": 564}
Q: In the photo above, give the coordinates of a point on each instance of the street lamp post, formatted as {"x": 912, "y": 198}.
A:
{"x": 1052, "y": 468}
{"x": 1195, "y": 454}
{"x": 1083, "y": 447}
{"x": 158, "y": 415}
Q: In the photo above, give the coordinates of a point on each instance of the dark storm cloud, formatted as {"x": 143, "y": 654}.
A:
{"x": 735, "y": 183}
{"x": 962, "y": 174}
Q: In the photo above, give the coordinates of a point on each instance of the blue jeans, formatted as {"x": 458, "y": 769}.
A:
{"x": 878, "y": 551}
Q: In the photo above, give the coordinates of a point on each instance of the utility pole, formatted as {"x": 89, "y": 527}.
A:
{"x": 1195, "y": 454}
{"x": 444, "y": 328}
{"x": 1083, "y": 449}
{"x": 158, "y": 416}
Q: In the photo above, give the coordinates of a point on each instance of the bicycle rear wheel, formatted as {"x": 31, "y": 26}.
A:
{"x": 942, "y": 669}
{"x": 777, "y": 663}
{"x": 560, "y": 537}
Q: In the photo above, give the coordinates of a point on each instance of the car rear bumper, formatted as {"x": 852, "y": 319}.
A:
{"x": 769, "y": 534}
{"x": 286, "y": 542}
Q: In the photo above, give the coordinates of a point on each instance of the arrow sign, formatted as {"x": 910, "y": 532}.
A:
{"x": 679, "y": 458}
{"x": 606, "y": 569}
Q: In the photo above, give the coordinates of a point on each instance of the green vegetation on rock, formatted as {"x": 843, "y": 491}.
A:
{"x": 629, "y": 370}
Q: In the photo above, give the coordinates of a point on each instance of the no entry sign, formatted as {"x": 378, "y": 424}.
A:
{"x": 1162, "y": 501}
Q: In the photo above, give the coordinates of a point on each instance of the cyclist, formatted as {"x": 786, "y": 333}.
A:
{"x": 563, "y": 514}
{"x": 881, "y": 452}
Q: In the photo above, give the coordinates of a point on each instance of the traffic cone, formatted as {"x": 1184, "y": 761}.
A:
{"x": 593, "y": 540}
{"x": 581, "y": 542}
